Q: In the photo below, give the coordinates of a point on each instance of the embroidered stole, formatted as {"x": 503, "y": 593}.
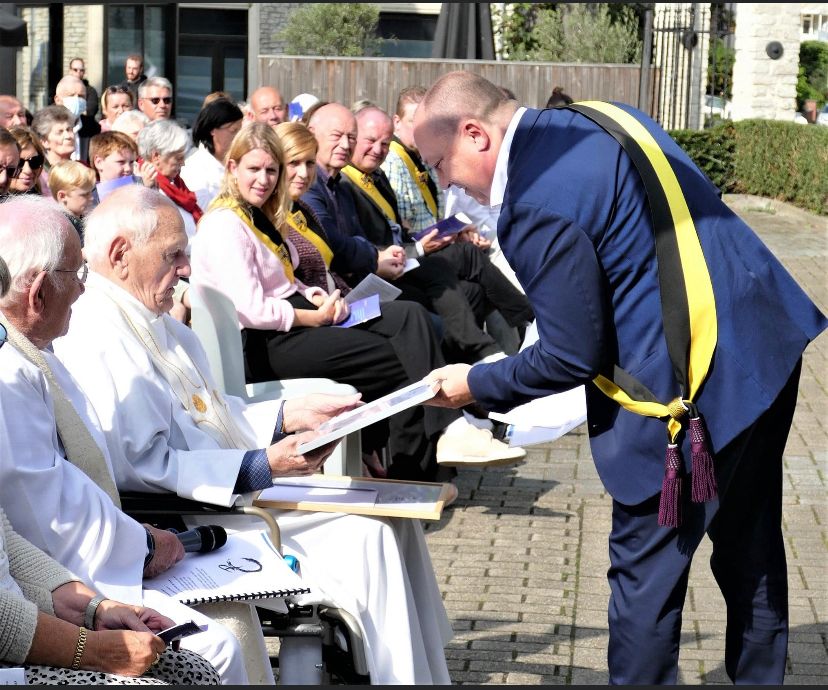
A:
{"x": 421, "y": 177}
{"x": 367, "y": 186}
{"x": 80, "y": 448}
{"x": 298, "y": 222}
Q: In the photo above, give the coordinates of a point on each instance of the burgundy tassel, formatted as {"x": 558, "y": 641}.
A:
{"x": 704, "y": 475}
{"x": 669, "y": 507}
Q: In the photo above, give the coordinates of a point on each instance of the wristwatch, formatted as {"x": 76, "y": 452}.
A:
{"x": 91, "y": 610}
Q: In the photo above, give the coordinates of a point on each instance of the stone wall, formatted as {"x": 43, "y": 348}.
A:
{"x": 75, "y": 31}
{"x": 764, "y": 87}
{"x": 273, "y": 17}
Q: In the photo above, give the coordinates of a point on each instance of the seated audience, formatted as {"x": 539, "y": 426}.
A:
{"x": 163, "y": 143}
{"x": 213, "y": 130}
{"x": 114, "y": 101}
{"x": 54, "y": 127}
{"x": 148, "y": 372}
{"x": 130, "y": 122}
{"x": 43, "y": 604}
{"x": 72, "y": 185}
{"x": 56, "y": 483}
{"x": 32, "y": 158}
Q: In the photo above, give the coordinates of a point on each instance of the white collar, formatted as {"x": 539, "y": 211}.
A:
{"x": 500, "y": 177}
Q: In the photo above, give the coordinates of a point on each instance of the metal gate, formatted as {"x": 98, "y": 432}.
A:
{"x": 682, "y": 37}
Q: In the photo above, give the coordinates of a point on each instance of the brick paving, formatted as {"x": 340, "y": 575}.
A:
{"x": 521, "y": 557}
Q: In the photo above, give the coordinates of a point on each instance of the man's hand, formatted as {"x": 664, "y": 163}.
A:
{"x": 454, "y": 386}
{"x": 470, "y": 234}
{"x": 431, "y": 243}
{"x": 391, "y": 262}
{"x": 168, "y": 551}
{"x": 286, "y": 461}
{"x": 309, "y": 412}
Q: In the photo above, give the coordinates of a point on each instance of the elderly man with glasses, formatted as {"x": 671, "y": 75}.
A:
{"x": 155, "y": 98}
{"x": 77, "y": 68}
{"x": 56, "y": 482}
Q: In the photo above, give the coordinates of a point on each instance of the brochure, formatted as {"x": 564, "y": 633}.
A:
{"x": 372, "y": 284}
{"x": 361, "y": 311}
{"x": 448, "y": 226}
{"x": 367, "y": 414}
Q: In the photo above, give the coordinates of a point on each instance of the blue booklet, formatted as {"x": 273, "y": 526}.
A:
{"x": 448, "y": 226}
{"x": 362, "y": 310}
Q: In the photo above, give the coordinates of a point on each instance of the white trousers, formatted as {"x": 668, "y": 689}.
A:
{"x": 380, "y": 571}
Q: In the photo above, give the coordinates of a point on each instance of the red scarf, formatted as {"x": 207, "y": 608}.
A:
{"x": 178, "y": 192}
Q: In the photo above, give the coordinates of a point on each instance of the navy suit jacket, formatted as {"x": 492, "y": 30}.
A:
{"x": 576, "y": 227}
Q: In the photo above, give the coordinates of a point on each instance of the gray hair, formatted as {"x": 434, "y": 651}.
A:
{"x": 127, "y": 118}
{"x": 33, "y": 234}
{"x": 162, "y": 137}
{"x": 5, "y": 278}
{"x": 153, "y": 82}
{"x": 131, "y": 211}
{"x": 46, "y": 118}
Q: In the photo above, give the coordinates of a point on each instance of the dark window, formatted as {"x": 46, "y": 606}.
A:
{"x": 406, "y": 34}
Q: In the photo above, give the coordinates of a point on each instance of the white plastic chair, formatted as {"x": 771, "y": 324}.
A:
{"x": 215, "y": 321}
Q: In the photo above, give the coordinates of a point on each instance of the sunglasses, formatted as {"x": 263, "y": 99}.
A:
{"x": 156, "y": 100}
{"x": 3, "y": 334}
{"x": 35, "y": 163}
{"x": 116, "y": 89}
{"x": 11, "y": 170}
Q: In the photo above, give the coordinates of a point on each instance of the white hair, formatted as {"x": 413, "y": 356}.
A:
{"x": 127, "y": 118}
{"x": 162, "y": 137}
{"x": 130, "y": 211}
{"x": 5, "y": 278}
{"x": 33, "y": 234}
{"x": 153, "y": 82}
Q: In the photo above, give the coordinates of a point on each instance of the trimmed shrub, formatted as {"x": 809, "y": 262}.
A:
{"x": 769, "y": 158}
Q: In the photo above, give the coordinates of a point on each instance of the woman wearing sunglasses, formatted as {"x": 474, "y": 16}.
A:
{"x": 32, "y": 156}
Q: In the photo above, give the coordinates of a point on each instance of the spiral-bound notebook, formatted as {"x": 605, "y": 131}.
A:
{"x": 246, "y": 567}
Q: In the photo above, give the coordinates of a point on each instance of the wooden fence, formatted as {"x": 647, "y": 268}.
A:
{"x": 347, "y": 80}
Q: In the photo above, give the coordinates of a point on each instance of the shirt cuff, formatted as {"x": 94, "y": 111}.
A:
{"x": 254, "y": 473}
{"x": 419, "y": 247}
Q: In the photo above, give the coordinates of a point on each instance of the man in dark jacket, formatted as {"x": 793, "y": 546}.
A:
{"x": 77, "y": 67}
{"x": 134, "y": 70}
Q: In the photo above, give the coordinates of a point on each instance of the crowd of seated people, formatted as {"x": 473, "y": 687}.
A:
{"x": 285, "y": 208}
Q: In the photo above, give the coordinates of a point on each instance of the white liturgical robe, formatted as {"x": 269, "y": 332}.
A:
{"x": 62, "y": 511}
{"x": 378, "y": 570}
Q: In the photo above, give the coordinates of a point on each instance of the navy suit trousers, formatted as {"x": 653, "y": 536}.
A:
{"x": 650, "y": 564}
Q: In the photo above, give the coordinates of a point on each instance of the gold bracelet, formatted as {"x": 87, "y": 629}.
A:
{"x": 79, "y": 649}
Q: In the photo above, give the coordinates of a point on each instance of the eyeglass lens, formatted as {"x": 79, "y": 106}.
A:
{"x": 156, "y": 100}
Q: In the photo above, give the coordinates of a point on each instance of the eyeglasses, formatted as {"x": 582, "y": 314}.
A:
{"x": 10, "y": 170}
{"x": 3, "y": 334}
{"x": 80, "y": 273}
{"x": 35, "y": 163}
{"x": 155, "y": 100}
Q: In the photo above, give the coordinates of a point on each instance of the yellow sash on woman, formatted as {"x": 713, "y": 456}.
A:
{"x": 281, "y": 251}
{"x": 366, "y": 184}
{"x": 419, "y": 176}
{"x": 298, "y": 222}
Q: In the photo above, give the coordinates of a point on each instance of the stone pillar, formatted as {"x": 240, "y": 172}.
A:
{"x": 764, "y": 87}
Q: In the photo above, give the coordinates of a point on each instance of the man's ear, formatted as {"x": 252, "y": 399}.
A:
{"x": 37, "y": 295}
{"x": 119, "y": 256}
{"x": 476, "y": 132}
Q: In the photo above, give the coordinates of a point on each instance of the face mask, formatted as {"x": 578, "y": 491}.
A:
{"x": 75, "y": 104}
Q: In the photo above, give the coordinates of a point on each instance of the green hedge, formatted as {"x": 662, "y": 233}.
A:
{"x": 779, "y": 160}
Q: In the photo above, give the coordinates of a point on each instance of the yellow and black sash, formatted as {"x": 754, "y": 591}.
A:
{"x": 419, "y": 175}
{"x": 266, "y": 233}
{"x": 298, "y": 222}
{"x": 364, "y": 182}
{"x": 688, "y": 306}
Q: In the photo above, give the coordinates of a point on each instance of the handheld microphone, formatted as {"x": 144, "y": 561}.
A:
{"x": 202, "y": 539}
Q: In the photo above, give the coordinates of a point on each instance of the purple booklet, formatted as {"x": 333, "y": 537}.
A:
{"x": 448, "y": 226}
{"x": 361, "y": 311}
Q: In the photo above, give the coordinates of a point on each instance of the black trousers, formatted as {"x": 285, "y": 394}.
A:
{"x": 376, "y": 358}
{"x": 650, "y": 564}
{"x": 462, "y": 286}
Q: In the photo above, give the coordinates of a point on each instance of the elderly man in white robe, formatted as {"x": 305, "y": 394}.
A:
{"x": 168, "y": 429}
{"x": 56, "y": 483}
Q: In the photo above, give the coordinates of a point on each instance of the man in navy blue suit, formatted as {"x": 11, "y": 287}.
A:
{"x": 576, "y": 224}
